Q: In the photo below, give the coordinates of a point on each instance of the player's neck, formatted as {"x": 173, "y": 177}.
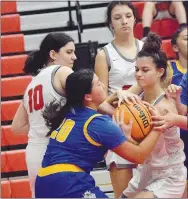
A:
{"x": 150, "y": 95}
{"x": 127, "y": 41}
{"x": 91, "y": 105}
{"x": 183, "y": 62}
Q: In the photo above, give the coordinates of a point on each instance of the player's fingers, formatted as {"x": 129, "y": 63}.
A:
{"x": 153, "y": 111}
{"x": 167, "y": 94}
{"x": 133, "y": 99}
{"x": 156, "y": 118}
{"x": 160, "y": 128}
{"x": 126, "y": 100}
{"x": 130, "y": 123}
{"x": 121, "y": 119}
{"x": 158, "y": 123}
{"x": 119, "y": 102}
{"x": 147, "y": 104}
{"x": 173, "y": 88}
{"x": 117, "y": 117}
{"x": 169, "y": 89}
{"x": 113, "y": 118}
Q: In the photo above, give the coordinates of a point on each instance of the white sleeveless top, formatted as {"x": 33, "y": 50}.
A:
{"x": 39, "y": 93}
{"x": 168, "y": 150}
{"x": 121, "y": 69}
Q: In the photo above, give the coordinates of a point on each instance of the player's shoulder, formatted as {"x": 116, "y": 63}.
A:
{"x": 64, "y": 70}
{"x": 102, "y": 121}
{"x": 166, "y": 103}
{"x": 101, "y": 54}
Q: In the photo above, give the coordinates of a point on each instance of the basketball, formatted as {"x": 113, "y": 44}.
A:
{"x": 140, "y": 116}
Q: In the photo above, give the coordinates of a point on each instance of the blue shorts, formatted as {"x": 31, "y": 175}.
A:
{"x": 67, "y": 185}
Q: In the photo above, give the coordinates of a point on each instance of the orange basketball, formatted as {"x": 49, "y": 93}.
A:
{"x": 141, "y": 118}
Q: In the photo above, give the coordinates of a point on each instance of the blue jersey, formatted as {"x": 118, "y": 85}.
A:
{"x": 82, "y": 139}
{"x": 184, "y": 93}
{"x": 177, "y": 72}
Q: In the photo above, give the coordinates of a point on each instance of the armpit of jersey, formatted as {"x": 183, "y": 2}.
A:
{"x": 104, "y": 131}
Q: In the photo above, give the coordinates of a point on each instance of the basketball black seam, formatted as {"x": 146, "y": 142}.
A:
{"x": 136, "y": 121}
{"x": 147, "y": 113}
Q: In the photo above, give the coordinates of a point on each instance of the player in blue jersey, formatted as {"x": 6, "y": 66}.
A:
{"x": 80, "y": 137}
{"x": 179, "y": 44}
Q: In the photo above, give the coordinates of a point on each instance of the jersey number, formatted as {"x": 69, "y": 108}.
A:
{"x": 63, "y": 131}
{"x": 36, "y": 101}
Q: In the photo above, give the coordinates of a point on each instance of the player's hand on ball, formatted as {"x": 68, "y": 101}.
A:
{"x": 119, "y": 120}
{"x": 164, "y": 121}
{"x": 160, "y": 124}
{"x": 128, "y": 97}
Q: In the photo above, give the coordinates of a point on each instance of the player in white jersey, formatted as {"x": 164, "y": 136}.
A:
{"x": 163, "y": 174}
{"x": 50, "y": 65}
{"x": 115, "y": 67}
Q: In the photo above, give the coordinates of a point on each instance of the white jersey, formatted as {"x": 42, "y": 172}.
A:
{"x": 121, "y": 69}
{"x": 168, "y": 150}
{"x": 39, "y": 93}
{"x": 163, "y": 172}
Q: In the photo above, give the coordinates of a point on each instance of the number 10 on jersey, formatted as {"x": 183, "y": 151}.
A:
{"x": 36, "y": 101}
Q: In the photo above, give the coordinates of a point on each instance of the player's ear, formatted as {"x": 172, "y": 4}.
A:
{"x": 175, "y": 48}
{"x": 88, "y": 98}
{"x": 161, "y": 72}
{"x": 52, "y": 55}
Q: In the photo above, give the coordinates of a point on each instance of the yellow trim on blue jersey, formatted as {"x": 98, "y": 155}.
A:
{"x": 56, "y": 168}
{"x": 170, "y": 68}
{"x": 180, "y": 68}
{"x": 89, "y": 139}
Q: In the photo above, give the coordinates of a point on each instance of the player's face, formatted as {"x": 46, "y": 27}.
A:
{"x": 122, "y": 19}
{"x": 66, "y": 55}
{"x": 182, "y": 43}
{"x": 146, "y": 73}
{"x": 98, "y": 93}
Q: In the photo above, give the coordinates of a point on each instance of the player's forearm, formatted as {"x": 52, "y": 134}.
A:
{"x": 24, "y": 129}
{"x": 181, "y": 121}
{"x": 106, "y": 108}
{"x": 147, "y": 145}
{"x": 181, "y": 108}
{"x": 135, "y": 89}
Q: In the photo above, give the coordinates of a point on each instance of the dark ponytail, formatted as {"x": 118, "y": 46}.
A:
{"x": 39, "y": 59}
{"x": 78, "y": 84}
{"x": 152, "y": 48}
{"x": 34, "y": 62}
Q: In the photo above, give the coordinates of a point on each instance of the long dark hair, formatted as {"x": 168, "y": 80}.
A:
{"x": 37, "y": 60}
{"x": 77, "y": 85}
{"x": 110, "y": 7}
{"x": 152, "y": 48}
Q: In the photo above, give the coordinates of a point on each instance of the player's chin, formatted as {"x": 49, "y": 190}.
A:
{"x": 141, "y": 83}
{"x": 70, "y": 65}
{"x": 102, "y": 99}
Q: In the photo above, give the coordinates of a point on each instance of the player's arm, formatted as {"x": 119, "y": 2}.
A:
{"x": 174, "y": 92}
{"x": 136, "y": 152}
{"x": 101, "y": 69}
{"x": 20, "y": 123}
{"x": 108, "y": 134}
{"x": 179, "y": 121}
{"x": 170, "y": 119}
{"x": 61, "y": 77}
{"x": 136, "y": 89}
